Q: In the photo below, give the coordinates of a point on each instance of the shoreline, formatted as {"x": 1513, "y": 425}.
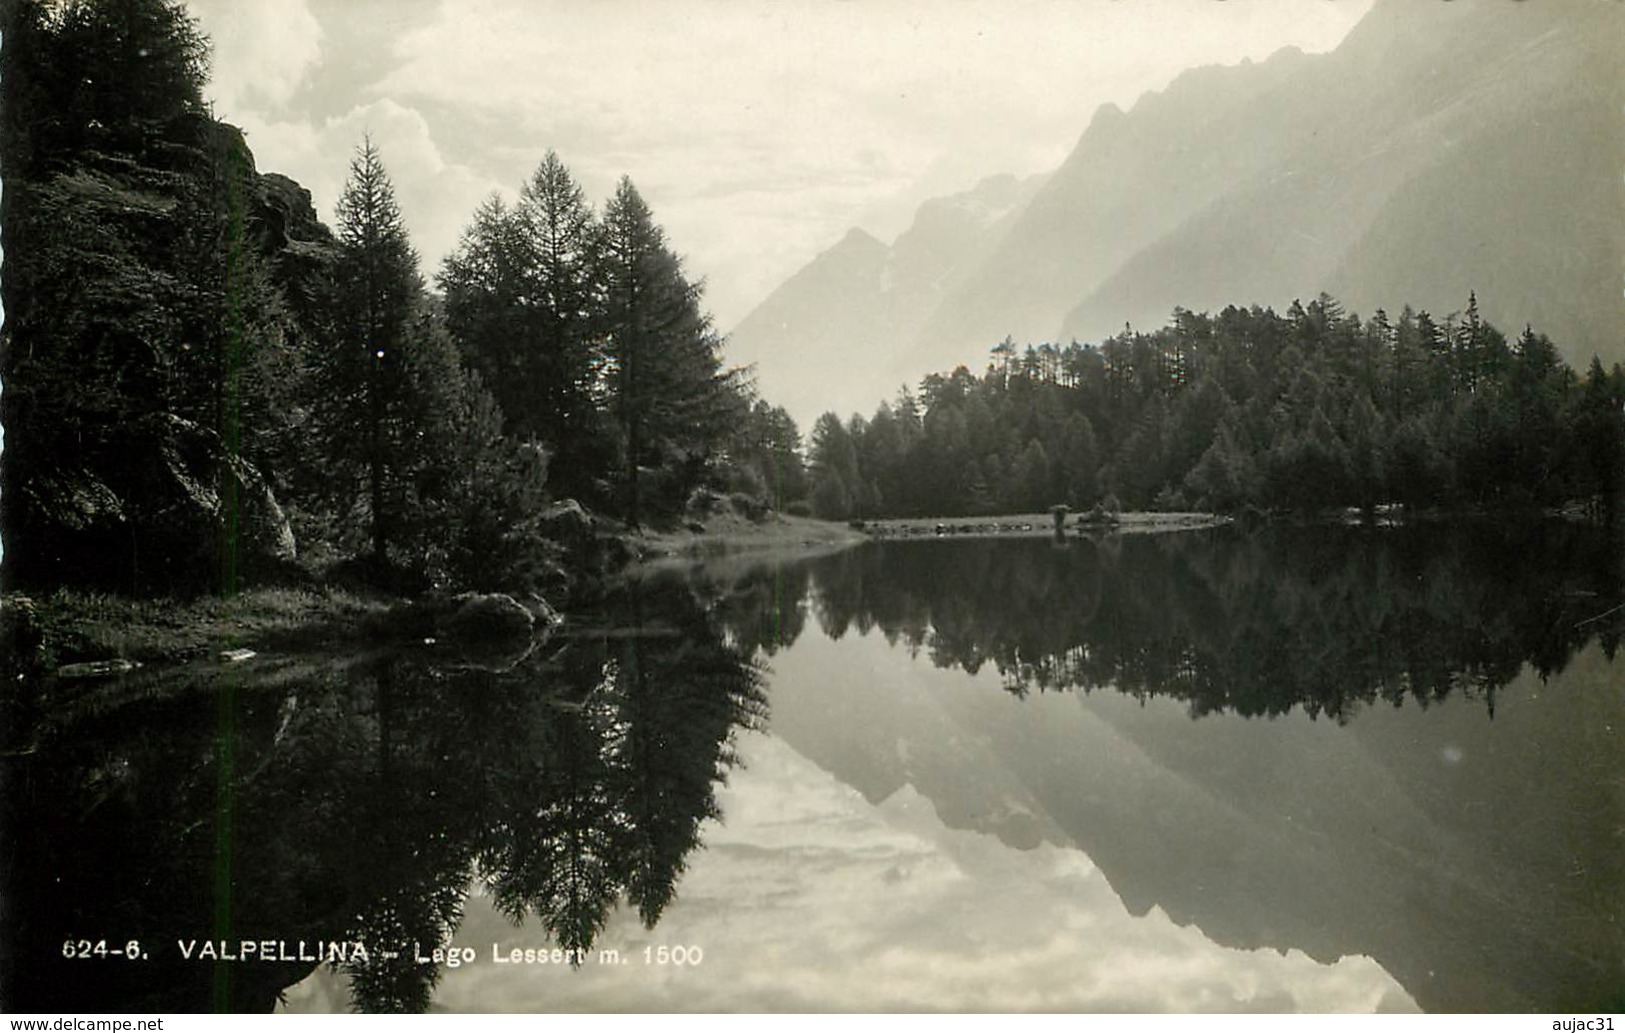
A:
{"x": 42, "y": 632}
{"x": 729, "y": 536}
{"x": 1039, "y": 525}
{"x": 46, "y": 631}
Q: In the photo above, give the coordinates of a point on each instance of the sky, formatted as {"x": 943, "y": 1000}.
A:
{"x": 759, "y": 131}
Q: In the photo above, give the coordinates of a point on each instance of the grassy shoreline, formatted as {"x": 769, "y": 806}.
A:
{"x": 727, "y": 534}
{"x": 41, "y": 632}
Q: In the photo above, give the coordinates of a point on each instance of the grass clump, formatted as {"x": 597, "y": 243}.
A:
{"x": 68, "y": 626}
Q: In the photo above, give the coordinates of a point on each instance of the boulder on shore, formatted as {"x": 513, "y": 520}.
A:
{"x": 484, "y": 618}
{"x": 567, "y": 523}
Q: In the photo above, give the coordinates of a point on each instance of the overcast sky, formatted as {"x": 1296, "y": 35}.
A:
{"x": 758, "y": 131}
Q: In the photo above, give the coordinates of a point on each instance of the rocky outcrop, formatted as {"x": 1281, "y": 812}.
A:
{"x": 567, "y": 523}
{"x": 298, "y": 247}
{"x": 479, "y": 631}
{"x": 178, "y": 513}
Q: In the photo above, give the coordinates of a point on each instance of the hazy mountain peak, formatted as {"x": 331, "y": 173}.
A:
{"x": 1440, "y": 148}
{"x": 979, "y": 207}
{"x": 1106, "y": 119}
{"x": 857, "y": 239}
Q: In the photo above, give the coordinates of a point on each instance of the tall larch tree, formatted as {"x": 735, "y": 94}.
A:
{"x": 483, "y": 284}
{"x": 670, "y": 395}
{"x": 560, "y": 236}
{"x": 365, "y": 375}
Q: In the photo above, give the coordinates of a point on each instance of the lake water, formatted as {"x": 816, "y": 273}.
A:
{"x": 1325, "y": 769}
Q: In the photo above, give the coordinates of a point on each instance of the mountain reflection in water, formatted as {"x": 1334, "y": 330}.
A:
{"x": 1408, "y": 747}
{"x": 1435, "y": 781}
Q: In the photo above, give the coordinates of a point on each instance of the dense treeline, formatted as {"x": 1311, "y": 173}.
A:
{"x": 1312, "y": 410}
{"x": 204, "y": 383}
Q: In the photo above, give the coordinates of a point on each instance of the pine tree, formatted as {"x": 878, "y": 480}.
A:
{"x": 1223, "y": 478}
{"x": 766, "y": 457}
{"x": 561, "y": 238}
{"x": 363, "y": 374}
{"x": 1407, "y": 360}
{"x": 484, "y": 283}
{"x": 113, "y": 73}
{"x": 522, "y": 298}
{"x": 833, "y": 468}
{"x": 670, "y": 395}
{"x": 1469, "y": 346}
{"x": 1030, "y": 479}
{"x": 1080, "y": 463}
{"x": 1599, "y": 430}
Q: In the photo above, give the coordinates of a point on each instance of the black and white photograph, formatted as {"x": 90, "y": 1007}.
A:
{"x": 812, "y": 506}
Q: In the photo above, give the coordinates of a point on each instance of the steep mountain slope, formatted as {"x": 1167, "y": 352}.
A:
{"x": 826, "y": 338}
{"x": 1441, "y": 148}
{"x": 825, "y": 318}
{"x": 1131, "y": 179}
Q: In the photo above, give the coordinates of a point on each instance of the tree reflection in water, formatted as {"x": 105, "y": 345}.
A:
{"x": 353, "y": 799}
{"x": 1328, "y": 619}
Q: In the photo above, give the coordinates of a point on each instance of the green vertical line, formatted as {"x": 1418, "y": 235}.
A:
{"x": 224, "y": 829}
{"x": 231, "y": 516}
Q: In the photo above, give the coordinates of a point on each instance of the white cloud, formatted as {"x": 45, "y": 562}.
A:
{"x": 436, "y": 196}
{"x": 814, "y": 110}
{"x": 263, "y": 51}
{"x": 758, "y": 132}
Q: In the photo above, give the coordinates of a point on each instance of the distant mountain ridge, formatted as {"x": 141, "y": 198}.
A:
{"x": 827, "y": 337}
{"x": 1440, "y": 149}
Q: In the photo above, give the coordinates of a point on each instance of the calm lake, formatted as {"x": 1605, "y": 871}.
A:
{"x": 1320, "y": 768}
